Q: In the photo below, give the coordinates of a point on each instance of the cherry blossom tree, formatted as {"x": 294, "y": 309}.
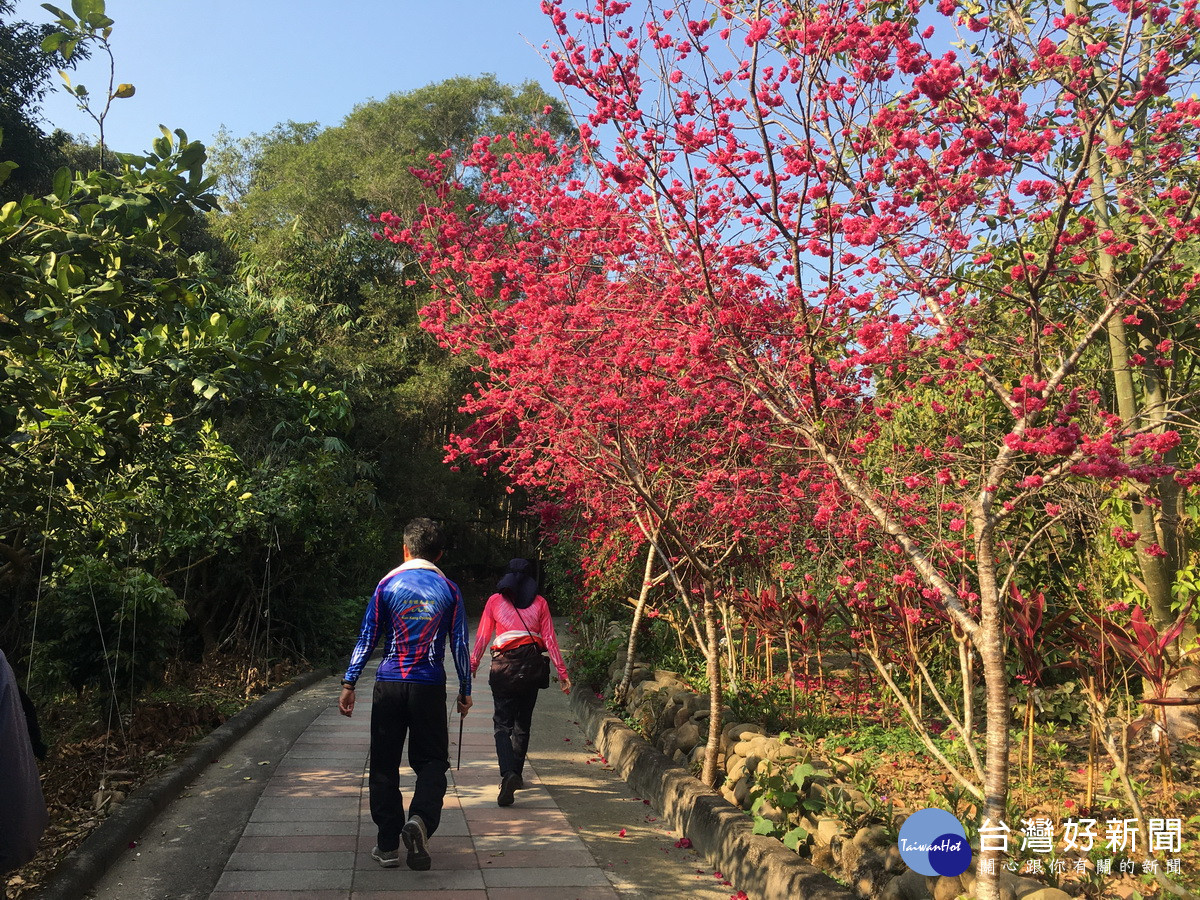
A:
{"x": 935, "y": 256}
{"x": 983, "y": 211}
{"x": 593, "y": 392}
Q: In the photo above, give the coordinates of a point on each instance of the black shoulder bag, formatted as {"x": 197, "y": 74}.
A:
{"x": 518, "y": 670}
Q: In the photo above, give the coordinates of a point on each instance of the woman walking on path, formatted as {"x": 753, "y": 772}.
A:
{"x": 520, "y": 618}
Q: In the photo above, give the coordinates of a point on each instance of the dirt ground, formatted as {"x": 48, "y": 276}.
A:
{"x": 97, "y": 755}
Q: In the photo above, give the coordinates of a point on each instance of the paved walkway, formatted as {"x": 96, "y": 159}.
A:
{"x": 312, "y": 831}
{"x": 283, "y": 814}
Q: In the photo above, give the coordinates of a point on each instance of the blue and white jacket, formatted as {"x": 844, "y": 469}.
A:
{"x": 414, "y": 610}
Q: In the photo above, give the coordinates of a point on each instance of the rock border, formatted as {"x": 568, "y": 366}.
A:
{"x": 758, "y": 865}
{"x": 84, "y": 866}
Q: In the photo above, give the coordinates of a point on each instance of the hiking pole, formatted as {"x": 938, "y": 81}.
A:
{"x": 462, "y": 717}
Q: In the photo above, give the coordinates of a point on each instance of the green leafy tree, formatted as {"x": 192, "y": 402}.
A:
{"x": 25, "y": 73}
{"x": 299, "y": 202}
{"x": 98, "y": 610}
{"x": 323, "y": 182}
{"x": 88, "y": 30}
{"x": 152, "y": 419}
{"x": 114, "y": 343}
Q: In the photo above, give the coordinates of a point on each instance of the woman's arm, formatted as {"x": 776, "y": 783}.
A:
{"x": 487, "y": 624}
{"x": 546, "y": 630}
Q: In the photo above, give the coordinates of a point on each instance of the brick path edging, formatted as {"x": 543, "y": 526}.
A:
{"x": 758, "y": 865}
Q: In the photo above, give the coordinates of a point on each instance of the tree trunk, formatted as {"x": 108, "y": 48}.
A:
{"x": 713, "y": 654}
{"x": 990, "y": 645}
{"x": 730, "y": 650}
{"x": 631, "y": 648}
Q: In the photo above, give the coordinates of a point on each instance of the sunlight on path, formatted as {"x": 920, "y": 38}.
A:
{"x": 311, "y": 831}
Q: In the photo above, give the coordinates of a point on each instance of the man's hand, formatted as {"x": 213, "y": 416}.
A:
{"x": 463, "y": 704}
{"x": 566, "y": 685}
{"x": 346, "y": 701}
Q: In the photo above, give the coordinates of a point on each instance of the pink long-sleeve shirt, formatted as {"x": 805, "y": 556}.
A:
{"x": 501, "y": 617}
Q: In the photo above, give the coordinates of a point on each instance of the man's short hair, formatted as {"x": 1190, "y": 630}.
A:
{"x": 424, "y": 538}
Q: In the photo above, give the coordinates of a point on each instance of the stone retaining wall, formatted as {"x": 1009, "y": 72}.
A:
{"x": 863, "y": 856}
{"x": 760, "y": 866}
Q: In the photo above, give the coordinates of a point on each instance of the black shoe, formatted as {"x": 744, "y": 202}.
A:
{"x": 510, "y": 783}
{"x": 415, "y": 838}
{"x": 520, "y": 782}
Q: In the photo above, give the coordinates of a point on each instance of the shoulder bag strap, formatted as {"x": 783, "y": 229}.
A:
{"x": 523, "y": 625}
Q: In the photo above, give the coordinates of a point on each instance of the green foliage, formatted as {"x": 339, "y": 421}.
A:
{"x": 1117, "y": 567}
{"x": 321, "y": 632}
{"x": 104, "y": 325}
{"x": 1056, "y": 703}
{"x": 110, "y": 339}
{"x": 301, "y": 178}
{"x": 875, "y": 738}
{"x": 560, "y": 565}
{"x": 299, "y": 201}
{"x": 780, "y": 787}
{"x": 25, "y": 69}
{"x": 127, "y": 377}
{"x": 113, "y": 628}
{"x": 592, "y": 655}
{"x": 763, "y": 703}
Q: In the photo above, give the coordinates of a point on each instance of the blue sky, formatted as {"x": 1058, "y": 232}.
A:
{"x": 249, "y": 64}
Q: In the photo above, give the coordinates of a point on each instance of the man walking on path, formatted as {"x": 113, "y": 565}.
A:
{"x": 414, "y": 610}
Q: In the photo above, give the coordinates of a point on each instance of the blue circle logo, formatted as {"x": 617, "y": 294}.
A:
{"x": 933, "y": 842}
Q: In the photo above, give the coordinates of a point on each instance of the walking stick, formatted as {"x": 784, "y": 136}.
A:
{"x": 461, "y": 718}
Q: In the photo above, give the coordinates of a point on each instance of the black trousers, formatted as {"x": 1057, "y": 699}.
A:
{"x": 512, "y": 717}
{"x": 400, "y": 710}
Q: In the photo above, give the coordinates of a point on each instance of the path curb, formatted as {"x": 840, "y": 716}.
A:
{"x": 758, "y": 865}
{"x": 83, "y": 867}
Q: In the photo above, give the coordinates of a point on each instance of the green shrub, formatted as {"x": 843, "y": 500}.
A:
{"x": 873, "y": 738}
{"x": 783, "y": 784}
{"x": 1055, "y": 703}
{"x": 560, "y": 567}
{"x": 112, "y": 627}
{"x": 321, "y": 630}
{"x": 593, "y": 653}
